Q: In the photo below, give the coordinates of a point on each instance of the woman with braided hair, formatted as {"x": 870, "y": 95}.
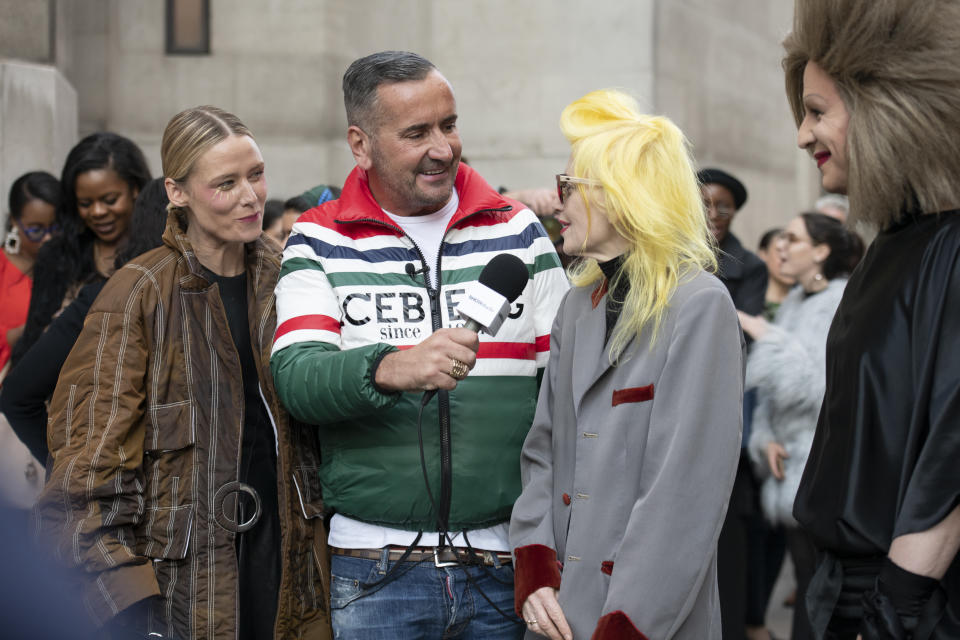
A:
{"x": 875, "y": 90}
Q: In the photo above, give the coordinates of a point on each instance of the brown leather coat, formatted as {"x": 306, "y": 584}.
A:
{"x": 145, "y": 428}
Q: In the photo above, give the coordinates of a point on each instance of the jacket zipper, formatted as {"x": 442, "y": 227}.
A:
{"x": 443, "y": 397}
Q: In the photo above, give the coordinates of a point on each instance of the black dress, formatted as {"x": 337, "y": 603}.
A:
{"x": 258, "y": 550}
{"x": 885, "y": 460}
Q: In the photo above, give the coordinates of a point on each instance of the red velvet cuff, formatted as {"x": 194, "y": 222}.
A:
{"x": 616, "y": 625}
{"x": 535, "y": 566}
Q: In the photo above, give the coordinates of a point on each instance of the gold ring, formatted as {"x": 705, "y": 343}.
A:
{"x": 532, "y": 621}
{"x": 459, "y": 370}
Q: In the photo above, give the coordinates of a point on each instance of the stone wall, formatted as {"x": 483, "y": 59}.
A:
{"x": 711, "y": 65}
{"x": 718, "y": 75}
{"x": 38, "y": 107}
{"x": 278, "y": 64}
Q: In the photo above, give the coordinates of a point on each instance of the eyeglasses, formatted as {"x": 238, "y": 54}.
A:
{"x": 37, "y": 232}
{"x": 565, "y": 184}
{"x": 722, "y": 212}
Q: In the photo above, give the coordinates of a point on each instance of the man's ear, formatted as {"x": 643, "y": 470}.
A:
{"x": 360, "y": 147}
{"x": 175, "y": 193}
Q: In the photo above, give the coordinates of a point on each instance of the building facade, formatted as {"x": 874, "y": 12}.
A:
{"x": 713, "y": 66}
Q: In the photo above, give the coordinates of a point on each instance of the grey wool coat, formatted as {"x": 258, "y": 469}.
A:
{"x": 788, "y": 368}
{"x": 627, "y": 469}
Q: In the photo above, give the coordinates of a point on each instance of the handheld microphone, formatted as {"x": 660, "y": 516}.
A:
{"x": 489, "y": 299}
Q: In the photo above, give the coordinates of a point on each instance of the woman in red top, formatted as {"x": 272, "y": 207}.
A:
{"x": 34, "y": 198}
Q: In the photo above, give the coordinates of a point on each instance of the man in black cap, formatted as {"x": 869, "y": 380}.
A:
{"x": 741, "y": 270}
{"x": 745, "y": 276}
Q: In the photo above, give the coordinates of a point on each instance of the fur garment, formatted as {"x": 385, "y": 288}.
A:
{"x": 788, "y": 368}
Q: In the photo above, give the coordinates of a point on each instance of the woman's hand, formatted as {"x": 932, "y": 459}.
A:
{"x": 543, "y": 615}
{"x": 754, "y": 326}
{"x": 775, "y": 456}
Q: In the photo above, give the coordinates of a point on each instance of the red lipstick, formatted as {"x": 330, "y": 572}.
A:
{"x": 821, "y": 157}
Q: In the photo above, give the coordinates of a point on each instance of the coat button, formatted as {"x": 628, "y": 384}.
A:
{"x": 566, "y": 498}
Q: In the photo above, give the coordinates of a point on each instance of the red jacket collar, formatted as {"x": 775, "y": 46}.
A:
{"x": 357, "y": 202}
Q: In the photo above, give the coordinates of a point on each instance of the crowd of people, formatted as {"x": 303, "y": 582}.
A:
{"x": 225, "y": 416}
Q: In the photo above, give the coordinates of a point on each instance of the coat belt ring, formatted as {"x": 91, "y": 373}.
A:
{"x": 221, "y": 518}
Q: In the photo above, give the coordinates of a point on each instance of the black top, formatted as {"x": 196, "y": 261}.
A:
{"x": 744, "y": 274}
{"x": 32, "y": 381}
{"x": 615, "y": 298}
{"x": 884, "y": 460}
{"x": 258, "y": 550}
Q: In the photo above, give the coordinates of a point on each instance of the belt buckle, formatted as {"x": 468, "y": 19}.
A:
{"x": 436, "y": 558}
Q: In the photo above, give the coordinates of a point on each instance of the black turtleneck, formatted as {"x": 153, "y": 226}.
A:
{"x": 615, "y": 298}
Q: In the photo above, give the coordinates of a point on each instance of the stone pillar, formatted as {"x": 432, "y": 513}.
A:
{"x": 38, "y": 106}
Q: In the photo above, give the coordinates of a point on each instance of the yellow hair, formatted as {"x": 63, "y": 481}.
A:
{"x": 652, "y": 199}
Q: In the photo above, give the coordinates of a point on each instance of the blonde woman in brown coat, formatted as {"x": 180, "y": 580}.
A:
{"x": 179, "y": 489}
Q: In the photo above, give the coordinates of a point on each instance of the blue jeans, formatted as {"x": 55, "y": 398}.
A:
{"x": 420, "y": 601}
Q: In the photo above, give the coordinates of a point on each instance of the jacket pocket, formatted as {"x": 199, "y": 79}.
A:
{"x": 169, "y": 427}
{"x": 306, "y": 481}
{"x": 168, "y": 532}
{"x": 632, "y": 394}
{"x": 306, "y": 468}
{"x": 169, "y": 459}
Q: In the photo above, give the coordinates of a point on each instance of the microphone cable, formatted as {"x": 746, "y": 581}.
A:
{"x": 443, "y": 528}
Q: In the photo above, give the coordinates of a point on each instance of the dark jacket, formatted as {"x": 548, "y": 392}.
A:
{"x": 28, "y": 386}
{"x": 744, "y": 274}
{"x": 145, "y": 429}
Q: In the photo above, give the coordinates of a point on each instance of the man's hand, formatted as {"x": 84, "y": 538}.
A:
{"x": 543, "y": 615}
{"x": 429, "y": 365}
{"x": 542, "y": 201}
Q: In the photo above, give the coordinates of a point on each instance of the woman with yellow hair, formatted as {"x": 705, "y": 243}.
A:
{"x": 628, "y": 466}
{"x": 875, "y": 91}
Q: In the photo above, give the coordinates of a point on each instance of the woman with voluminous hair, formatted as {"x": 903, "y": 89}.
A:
{"x": 179, "y": 489}
{"x": 875, "y": 89}
{"x": 628, "y": 467}
{"x": 894, "y": 64}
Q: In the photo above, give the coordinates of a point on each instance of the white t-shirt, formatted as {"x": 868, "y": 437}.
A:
{"x": 427, "y": 231}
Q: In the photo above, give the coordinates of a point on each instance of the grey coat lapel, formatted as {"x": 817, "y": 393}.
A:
{"x": 591, "y": 333}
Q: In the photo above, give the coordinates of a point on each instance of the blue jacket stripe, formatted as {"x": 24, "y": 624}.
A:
{"x": 522, "y": 240}
{"x": 329, "y": 251}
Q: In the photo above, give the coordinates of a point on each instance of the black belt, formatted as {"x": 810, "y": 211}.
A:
{"x": 440, "y": 556}
{"x": 835, "y": 589}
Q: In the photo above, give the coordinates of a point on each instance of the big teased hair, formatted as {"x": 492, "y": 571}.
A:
{"x": 895, "y": 63}
{"x": 652, "y": 198}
